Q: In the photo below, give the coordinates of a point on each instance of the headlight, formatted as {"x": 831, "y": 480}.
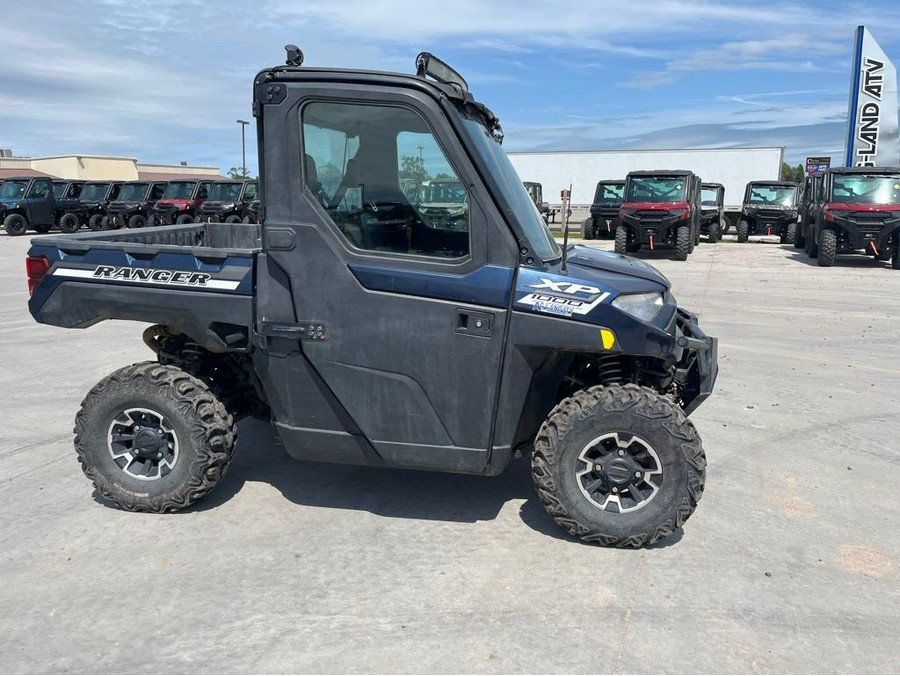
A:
{"x": 644, "y": 306}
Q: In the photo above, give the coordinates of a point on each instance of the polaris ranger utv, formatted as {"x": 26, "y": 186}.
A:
{"x": 69, "y": 212}
{"x": 27, "y": 203}
{"x": 604, "y": 218}
{"x": 134, "y": 204}
{"x": 660, "y": 208}
{"x": 179, "y": 203}
{"x": 770, "y": 208}
{"x": 860, "y": 211}
{"x": 228, "y": 202}
{"x": 94, "y": 198}
{"x": 712, "y": 211}
{"x": 374, "y": 335}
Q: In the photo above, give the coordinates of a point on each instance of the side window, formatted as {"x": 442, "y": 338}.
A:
{"x": 40, "y": 188}
{"x": 203, "y": 191}
{"x": 250, "y": 191}
{"x": 156, "y": 192}
{"x": 384, "y": 180}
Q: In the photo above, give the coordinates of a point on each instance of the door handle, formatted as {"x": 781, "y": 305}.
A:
{"x": 474, "y": 323}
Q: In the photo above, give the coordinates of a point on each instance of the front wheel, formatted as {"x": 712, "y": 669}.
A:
{"x": 895, "y": 254}
{"x": 790, "y": 235}
{"x": 95, "y": 222}
{"x": 621, "y": 246}
{"x": 799, "y": 239}
{"x": 68, "y": 223}
{"x": 234, "y": 218}
{"x": 715, "y": 232}
{"x": 827, "y": 248}
{"x": 620, "y": 466}
{"x": 15, "y": 225}
{"x": 137, "y": 221}
{"x": 587, "y": 229}
{"x": 743, "y": 230}
{"x": 683, "y": 242}
{"x": 153, "y": 438}
{"x": 184, "y": 219}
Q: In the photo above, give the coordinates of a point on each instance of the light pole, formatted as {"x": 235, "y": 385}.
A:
{"x": 243, "y": 124}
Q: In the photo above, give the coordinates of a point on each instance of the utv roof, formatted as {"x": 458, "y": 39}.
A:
{"x": 711, "y": 185}
{"x": 235, "y": 180}
{"x": 863, "y": 170}
{"x": 21, "y": 178}
{"x": 662, "y": 172}
{"x": 784, "y": 184}
{"x": 613, "y": 181}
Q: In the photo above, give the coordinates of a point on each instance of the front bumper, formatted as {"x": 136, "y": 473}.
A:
{"x": 660, "y": 226}
{"x": 697, "y": 366}
{"x": 862, "y": 230}
{"x": 767, "y": 222}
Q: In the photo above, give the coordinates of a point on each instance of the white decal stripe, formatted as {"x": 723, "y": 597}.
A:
{"x": 79, "y": 273}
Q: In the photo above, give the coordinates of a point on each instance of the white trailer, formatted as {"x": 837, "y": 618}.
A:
{"x": 732, "y": 167}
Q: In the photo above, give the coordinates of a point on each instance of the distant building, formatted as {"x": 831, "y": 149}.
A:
{"x": 99, "y": 167}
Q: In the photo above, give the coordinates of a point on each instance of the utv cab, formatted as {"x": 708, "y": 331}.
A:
{"x": 770, "y": 208}
{"x": 95, "y": 197}
{"x": 859, "y": 212}
{"x": 660, "y": 209}
{"x": 228, "y": 202}
{"x": 712, "y": 211}
{"x": 134, "y": 204}
{"x": 604, "y": 218}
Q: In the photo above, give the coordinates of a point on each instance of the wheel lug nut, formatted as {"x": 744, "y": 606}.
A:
{"x": 621, "y": 452}
{"x": 598, "y": 467}
{"x": 615, "y": 490}
{"x": 159, "y": 455}
{"x": 637, "y": 473}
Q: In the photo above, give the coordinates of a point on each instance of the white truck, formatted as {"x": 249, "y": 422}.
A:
{"x": 732, "y": 167}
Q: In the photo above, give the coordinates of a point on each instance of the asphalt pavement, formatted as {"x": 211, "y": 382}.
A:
{"x": 791, "y": 562}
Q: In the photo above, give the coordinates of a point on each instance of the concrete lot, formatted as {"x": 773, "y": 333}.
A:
{"x": 790, "y": 564}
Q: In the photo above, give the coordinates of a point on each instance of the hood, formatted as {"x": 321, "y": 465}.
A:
{"x": 613, "y": 267}
{"x": 177, "y": 203}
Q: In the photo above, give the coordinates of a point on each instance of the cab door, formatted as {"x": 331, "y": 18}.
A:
{"x": 399, "y": 312}
{"x": 41, "y": 204}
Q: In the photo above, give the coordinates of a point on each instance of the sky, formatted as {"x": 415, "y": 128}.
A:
{"x": 166, "y": 80}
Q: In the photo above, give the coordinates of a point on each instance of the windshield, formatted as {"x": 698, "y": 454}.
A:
{"x": 502, "y": 171}
{"x": 224, "y": 192}
{"x": 58, "y": 189}
{"x": 534, "y": 192}
{"x": 13, "y": 189}
{"x": 773, "y": 195}
{"x": 445, "y": 193}
{"x": 179, "y": 190}
{"x": 709, "y": 197}
{"x": 133, "y": 192}
{"x": 866, "y": 189}
{"x": 656, "y": 189}
{"x": 93, "y": 192}
{"x": 609, "y": 192}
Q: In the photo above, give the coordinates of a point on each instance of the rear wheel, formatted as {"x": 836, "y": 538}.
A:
{"x": 234, "y": 218}
{"x": 137, "y": 221}
{"x": 184, "y": 218}
{"x": 621, "y": 240}
{"x": 68, "y": 223}
{"x": 715, "y": 232}
{"x": 827, "y": 248}
{"x": 95, "y": 222}
{"x": 743, "y": 230}
{"x": 895, "y": 254}
{"x": 15, "y": 225}
{"x": 620, "y": 466}
{"x": 799, "y": 239}
{"x": 587, "y": 229}
{"x": 682, "y": 243}
{"x": 153, "y": 438}
{"x": 790, "y": 234}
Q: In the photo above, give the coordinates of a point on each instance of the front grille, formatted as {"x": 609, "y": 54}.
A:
{"x": 651, "y": 215}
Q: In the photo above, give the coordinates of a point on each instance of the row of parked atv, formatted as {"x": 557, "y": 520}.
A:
{"x": 40, "y": 203}
{"x": 843, "y": 210}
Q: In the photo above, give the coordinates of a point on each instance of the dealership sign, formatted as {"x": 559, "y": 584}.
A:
{"x": 815, "y": 165}
{"x": 872, "y": 139}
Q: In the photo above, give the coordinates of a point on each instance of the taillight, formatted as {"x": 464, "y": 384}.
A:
{"x": 37, "y": 268}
